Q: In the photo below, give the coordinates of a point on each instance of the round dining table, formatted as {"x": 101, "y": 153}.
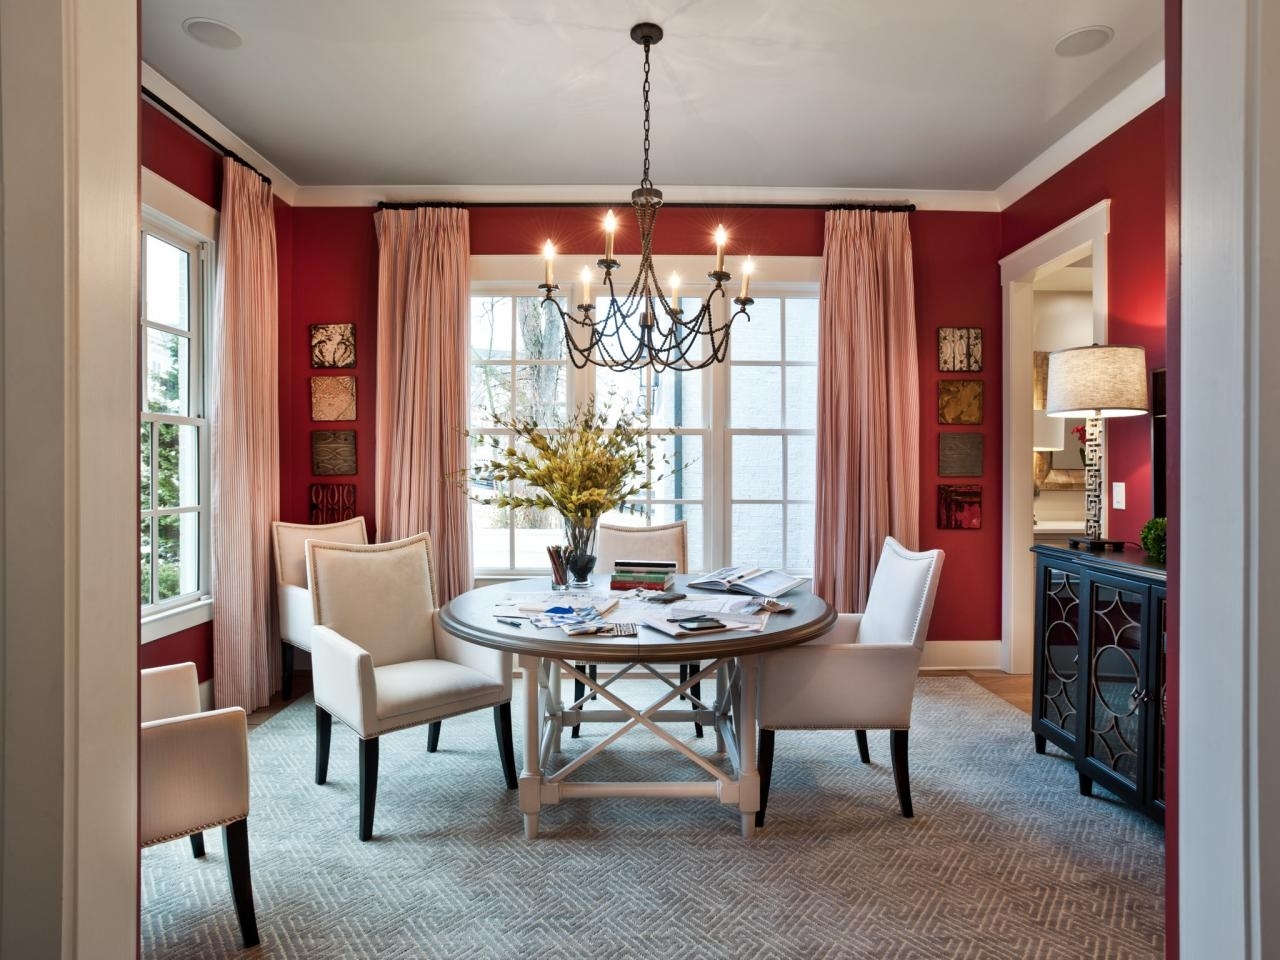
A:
{"x": 486, "y": 616}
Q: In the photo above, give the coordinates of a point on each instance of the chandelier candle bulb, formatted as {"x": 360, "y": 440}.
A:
{"x": 549, "y": 252}
{"x": 610, "y": 225}
{"x": 747, "y": 267}
{"x": 721, "y": 237}
{"x": 585, "y": 293}
{"x": 675, "y": 290}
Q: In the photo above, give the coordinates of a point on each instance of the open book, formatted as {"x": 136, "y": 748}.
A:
{"x": 752, "y": 580}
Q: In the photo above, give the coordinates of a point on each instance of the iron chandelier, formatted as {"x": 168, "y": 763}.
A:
{"x": 645, "y": 328}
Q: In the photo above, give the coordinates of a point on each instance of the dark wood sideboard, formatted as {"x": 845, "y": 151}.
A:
{"x": 1099, "y": 674}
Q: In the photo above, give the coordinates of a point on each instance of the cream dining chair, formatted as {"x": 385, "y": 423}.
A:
{"x": 381, "y": 661}
{"x": 664, "y": 541}
{"x": 861, "y": 675}
{"x": 293, "y": 594}
{"x": 194, "y": 775}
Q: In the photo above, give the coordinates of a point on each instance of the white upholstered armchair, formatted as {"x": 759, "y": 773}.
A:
{"x": 195, "y": 776}
{"x": 862, "y": 674}
{"x": 381, "y": 662}
{"x": 293, "y": 592}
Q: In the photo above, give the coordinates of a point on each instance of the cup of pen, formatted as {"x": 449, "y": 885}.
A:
{"x": 559, "y": 567}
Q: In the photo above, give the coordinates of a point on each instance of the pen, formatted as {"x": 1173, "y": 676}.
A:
{"x": 510, "y": 622}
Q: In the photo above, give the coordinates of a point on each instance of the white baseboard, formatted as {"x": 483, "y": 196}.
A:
{"x": 961, "y": 655}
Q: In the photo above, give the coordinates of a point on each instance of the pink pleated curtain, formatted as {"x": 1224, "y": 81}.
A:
{"x": 244, "y": 424}
{"x": 423, "y": 315}
{"x": 869, "y": 402}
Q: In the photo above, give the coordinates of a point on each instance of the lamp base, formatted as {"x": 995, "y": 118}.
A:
{"x": 1095, "y": 544}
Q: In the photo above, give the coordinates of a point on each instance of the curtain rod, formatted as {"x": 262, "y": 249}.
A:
{"x": 199, "y": 132}
{"x": 878, "y": 207}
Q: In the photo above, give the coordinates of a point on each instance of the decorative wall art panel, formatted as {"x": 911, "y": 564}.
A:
{"x": 960, "y": 506}
{"x": 333, "y": 345}
{"x": 332, "y": 502}
{"x": 960, "y": 454}
{"x": 333, "y": 453}
{"x": 960, "y": 349}
{"x": 960, "y": 401}
{"x": 333, "y": 398}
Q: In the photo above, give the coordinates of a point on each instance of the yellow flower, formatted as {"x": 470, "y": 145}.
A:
{"x": 581, "y": 467}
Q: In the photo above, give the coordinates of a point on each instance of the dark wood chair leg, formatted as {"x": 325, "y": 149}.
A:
{"x": 591, "y": 672}
{"x": 684, "y": 675}
{"x": 368, "y": 785}
{"x": 433, "y": 736}
{"x": 579, "y": 688}
{"x": 506, "y": 751}
{"x": 864, "y": 751}
{"x": 689, "y": 670}
{"x": 764, "y": 763}
{"x": 197, "y": 845}
{"x": 235, "y": 838}
{"x": 1040, "y": 743}
{"x": 901, "y": 775}
{"x": 324, "y": 730}
{"x": 286, "y": 670}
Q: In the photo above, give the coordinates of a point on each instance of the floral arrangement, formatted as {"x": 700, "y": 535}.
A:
{"x": 581, "y": 466}
{"x": 1078, "y": 432}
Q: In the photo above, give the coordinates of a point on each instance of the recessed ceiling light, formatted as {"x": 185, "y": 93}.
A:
{"x": 1077, "y": 43}
{"x": 212, "y": 33}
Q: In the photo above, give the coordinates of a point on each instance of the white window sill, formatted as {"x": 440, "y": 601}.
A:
{"x": 168, "y": 622}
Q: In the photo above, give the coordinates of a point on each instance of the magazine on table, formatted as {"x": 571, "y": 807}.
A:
{"x": 755, "y": 581}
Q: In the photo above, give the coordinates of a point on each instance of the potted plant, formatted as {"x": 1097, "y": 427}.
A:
{"x": 1153, "y": 536}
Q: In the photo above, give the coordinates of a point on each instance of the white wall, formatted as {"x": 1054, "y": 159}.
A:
{"x": 1229, "y": 716}
{"x": 68, "y": 194}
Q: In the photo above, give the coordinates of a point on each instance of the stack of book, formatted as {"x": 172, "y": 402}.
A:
{"x": 642, "y": 574}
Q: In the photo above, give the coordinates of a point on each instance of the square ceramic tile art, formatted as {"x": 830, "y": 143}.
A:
{"x": 333, "y": 398}
{"x": 959, "y": 349}
{"x": 959, "y": 506}
{"x": 960, "y": 401}
{"x": 333, "y": 453}
{"x": 960, "y": 454}
{"x": 333, "y": 345}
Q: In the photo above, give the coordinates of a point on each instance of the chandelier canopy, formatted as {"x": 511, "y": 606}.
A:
{"x": 645, "y": 328}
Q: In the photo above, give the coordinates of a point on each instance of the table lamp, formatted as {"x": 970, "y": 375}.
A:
{"x": 1096, "y": 382}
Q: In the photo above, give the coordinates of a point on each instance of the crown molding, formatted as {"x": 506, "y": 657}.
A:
{"x": 1144, "y": 92}
{"x": 616, "y": 195}
{"x": 281, "y": 184}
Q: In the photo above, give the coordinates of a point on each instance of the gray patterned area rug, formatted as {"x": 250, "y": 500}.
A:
{"x": 1003, "y": 859}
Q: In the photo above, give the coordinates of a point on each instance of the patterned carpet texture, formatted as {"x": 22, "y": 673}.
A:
{"x": 1003, "y": 859}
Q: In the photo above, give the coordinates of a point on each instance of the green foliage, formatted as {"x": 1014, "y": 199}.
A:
{"x": 1153, "y": 536}
{"x": 164, "y": 441}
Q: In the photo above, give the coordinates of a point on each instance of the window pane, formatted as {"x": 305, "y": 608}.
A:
{"x": 490, "y": 393}
{"x": 677, "y": 398}
{"x": 144, "y": 467}
{"x": 621, "y": 389}
{"x": 539, "y": 330}
{"x": 144, "y": 578}
{"x": 177, "y": 465}
{"x": 535, "y": 531}
{"x": 490, "y": 327}
{"x": 177, "y": 555}
{"x": 802, "y": 329}
{"x": 757, "y": 534}
{"x": 761, "y": 337}
{"x": 167, "y": 372}
{"x": 686, "y": 483}
{"x": 540, "y": 392}
{"x": 755, "y": 397}
{"x": 168, "y": 276}
{"x": 801, "y": 468}
{"x": 757, "y": 468}
{"x": 800, "y": 537}
{"x": 490, "y": 546}
{"x": 802, "y": 398}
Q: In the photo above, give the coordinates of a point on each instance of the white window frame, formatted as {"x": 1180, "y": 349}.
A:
{"x": 492, "y": 276}
{"x": 178, "y": 218}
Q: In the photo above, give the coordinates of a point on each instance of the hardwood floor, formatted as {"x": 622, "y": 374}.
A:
{"x": 1013, "y": 688}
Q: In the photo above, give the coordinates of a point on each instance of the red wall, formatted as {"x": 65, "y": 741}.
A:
{"x": 1129, "y": 168}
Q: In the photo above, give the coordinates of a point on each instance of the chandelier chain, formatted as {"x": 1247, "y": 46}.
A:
{"x": 644, "y": 180}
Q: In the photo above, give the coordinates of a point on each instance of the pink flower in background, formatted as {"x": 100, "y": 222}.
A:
{"x": 1079, "y": 432}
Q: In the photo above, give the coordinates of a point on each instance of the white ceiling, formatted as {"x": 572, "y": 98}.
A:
{"x": 914, "y": 94}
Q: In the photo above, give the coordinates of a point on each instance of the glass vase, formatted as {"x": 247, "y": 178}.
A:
{"x": 581, "y": 537}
